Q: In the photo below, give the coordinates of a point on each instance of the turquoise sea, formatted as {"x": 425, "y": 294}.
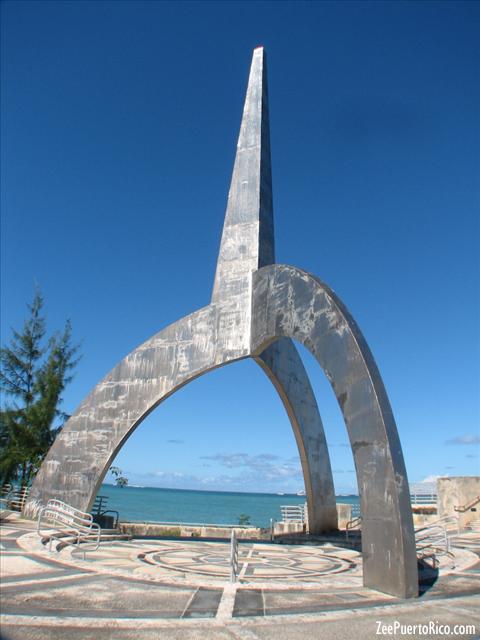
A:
{"x": 151, "y": 504}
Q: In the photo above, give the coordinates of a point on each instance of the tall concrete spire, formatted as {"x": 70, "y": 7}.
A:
{"x": 247, "y": 239}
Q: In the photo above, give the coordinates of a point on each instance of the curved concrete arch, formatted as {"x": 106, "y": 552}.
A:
{"x": 82, "y": 454}
{"x": 288, "y": 302}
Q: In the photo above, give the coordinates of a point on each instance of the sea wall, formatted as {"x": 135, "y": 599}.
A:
{"x": 153, "y": 529}
{"x": 179, "y": 530}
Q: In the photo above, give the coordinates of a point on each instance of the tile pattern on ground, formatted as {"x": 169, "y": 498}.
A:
{"x": 151, "y": 580}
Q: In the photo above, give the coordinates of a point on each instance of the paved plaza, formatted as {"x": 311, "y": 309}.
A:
{"x": 146, "y": 589}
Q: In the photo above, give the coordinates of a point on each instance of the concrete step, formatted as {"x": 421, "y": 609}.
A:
{"x": 473, "y": 526}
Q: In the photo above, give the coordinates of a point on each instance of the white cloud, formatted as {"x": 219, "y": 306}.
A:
{"x": 262, "y": 472}
{"x": 431, "y": 479}
{"x": 466, "y": 439}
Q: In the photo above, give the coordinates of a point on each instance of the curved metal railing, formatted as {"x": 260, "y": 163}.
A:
{"x": 466, "y": 507}
{"x": 65, "y": 524}
{"x": 433, "y": 540}
{"x": 13, "y": 498}
{"x": 352, "y": 525}
{"x": 99, "y": 509}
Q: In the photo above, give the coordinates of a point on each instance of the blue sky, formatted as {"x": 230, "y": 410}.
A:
{"x": 119, "y": 125}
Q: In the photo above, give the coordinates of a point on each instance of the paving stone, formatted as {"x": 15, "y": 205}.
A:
{"x": 363, "y": 624}
{"x": 99, "y": 596}
{"x": 90, "y": 599}
{"x": 204, "y": 604}
{"x": 19, "y": 564}
{"x": 100, "y": 632}
{"x": 248, "y": 602}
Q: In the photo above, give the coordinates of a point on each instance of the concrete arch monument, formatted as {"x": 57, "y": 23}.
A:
{"x": 257, "y": 308}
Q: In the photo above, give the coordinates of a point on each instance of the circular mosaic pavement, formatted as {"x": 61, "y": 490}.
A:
{"x": 256, "y": 561}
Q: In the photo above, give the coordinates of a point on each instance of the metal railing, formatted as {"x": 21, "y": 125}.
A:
{"x": 423, "y": 498}
{"x": 355, "y": 510}
{"x": 433, "y": 539}
{"x": 466, "y": 507}
{"x": 353, "y": 525}
{"x": 233, "y": 557}
{"x": 272, "y": 529}
{"x": 423, "y": 493}
{"x": 451, "y": 524}
{"x": 294, "y": 513}
{"x": 14, "y": 497}
{"x": 99, "y": 509}
{"x": 63, "y": 523}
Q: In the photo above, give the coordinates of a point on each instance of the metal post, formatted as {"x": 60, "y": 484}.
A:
{"x": 272, "y": 529}
{"x": 233, "y": 557}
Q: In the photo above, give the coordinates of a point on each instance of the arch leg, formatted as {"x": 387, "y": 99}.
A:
{"x": 283, "y": 365}
{"x": 288, "y": 302}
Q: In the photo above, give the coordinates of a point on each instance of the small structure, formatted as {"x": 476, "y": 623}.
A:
{"x": 257, "y": 307}
{"x": 459, "y": 496}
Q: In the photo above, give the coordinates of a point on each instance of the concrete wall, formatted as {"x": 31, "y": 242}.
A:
{"x": 136, "y": 529}
{"x": 286, "y": 528}
{"x": 344, "y": 512}
{"x": 422, "y": 519}
{"x": 457, "y": 492}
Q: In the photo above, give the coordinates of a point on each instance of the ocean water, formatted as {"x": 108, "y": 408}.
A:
{"x": 151, "y": 504}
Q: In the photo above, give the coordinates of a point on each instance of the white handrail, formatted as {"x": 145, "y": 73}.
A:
{"x": 355, "y": 523}
{"x": 432, "y": 538}
{"x": 444, "y": 521}
{"x": 15, "y": 497}
{"x": 293, "y": 513}
{"x": 466, "y": 507}
{"x": 61, "y": 522}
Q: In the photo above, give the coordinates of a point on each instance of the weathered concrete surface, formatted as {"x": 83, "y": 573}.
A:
{"x": 288, "y": 302}
{"x": 458, "y": 491}
{"x": 248, "y": 238}
{"x": 77, "y": 462}
{"x": 254, "y": 306}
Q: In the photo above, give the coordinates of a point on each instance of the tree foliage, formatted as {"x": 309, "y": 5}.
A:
{"x": 33, "y": 375}
{"x": 120, "y": 480}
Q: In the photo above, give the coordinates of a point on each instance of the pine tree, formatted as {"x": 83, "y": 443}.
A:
{"x": 33, "y": 377}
